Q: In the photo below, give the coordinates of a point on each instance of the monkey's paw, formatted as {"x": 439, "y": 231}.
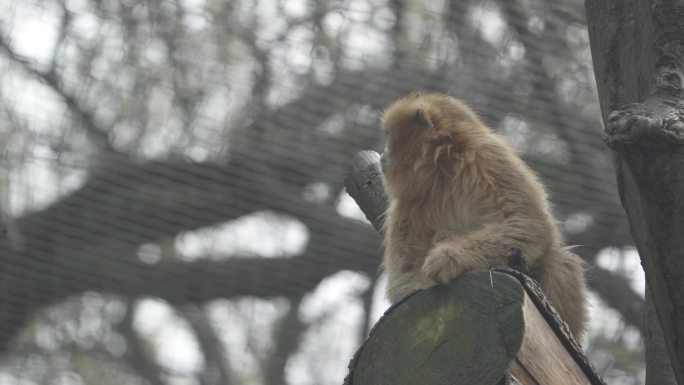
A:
{"x": 445, "y": 262}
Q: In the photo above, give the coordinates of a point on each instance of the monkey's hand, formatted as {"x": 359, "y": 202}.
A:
{"x": 448, "y": 260}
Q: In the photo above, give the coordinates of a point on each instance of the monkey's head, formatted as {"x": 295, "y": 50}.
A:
{"x": 425, "y": 132}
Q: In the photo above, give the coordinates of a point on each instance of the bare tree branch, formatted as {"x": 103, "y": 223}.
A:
{"x": 217, "y": 368}
{"x": 287, "y": 335}
{"x": 138, "y": 354}
{"x": 98, "y": 134}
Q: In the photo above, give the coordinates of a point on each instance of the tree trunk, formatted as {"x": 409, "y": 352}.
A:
{"x": 638, "y": 53}
{"x": 659, "y": 369}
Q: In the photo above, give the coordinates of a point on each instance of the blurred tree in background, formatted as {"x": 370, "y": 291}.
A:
{"x": 172, "y": 177}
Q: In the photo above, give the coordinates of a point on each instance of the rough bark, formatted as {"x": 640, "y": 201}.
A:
{"x": 659, "y": 368}
{"x": 638, "y": 54}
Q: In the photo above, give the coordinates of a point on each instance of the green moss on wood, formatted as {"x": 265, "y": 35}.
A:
{"x": 463, "y": 333}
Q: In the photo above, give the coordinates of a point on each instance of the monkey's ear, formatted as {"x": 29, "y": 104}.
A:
{"x": 422, "y": 117}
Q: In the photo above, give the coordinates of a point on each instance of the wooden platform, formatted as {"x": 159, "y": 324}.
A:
{"x": 486, "y": 328}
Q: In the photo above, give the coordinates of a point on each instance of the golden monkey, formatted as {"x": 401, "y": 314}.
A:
{"x": 461, "y": 200}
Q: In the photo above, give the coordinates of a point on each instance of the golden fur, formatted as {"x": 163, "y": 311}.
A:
{"x": 461, "y": 200}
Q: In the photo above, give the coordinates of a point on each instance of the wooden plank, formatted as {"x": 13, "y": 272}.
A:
{"x": 521, "y": 374}
{"x": 511, "y": 380}
{"x": 542, "y": 358}
{"x": 557, "y": 325}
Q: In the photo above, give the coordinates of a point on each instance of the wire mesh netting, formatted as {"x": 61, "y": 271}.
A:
{"x": 172, "y": 177}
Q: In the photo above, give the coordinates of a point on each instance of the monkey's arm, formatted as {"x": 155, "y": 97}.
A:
{"x": 488, "y": 246}
{"x": 404, "y": 250}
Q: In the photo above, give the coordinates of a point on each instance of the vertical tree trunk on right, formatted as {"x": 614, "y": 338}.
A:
{"x": 638, "y": 54}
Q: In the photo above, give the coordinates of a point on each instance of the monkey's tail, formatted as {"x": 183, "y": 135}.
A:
{"x": 562, "y": 279}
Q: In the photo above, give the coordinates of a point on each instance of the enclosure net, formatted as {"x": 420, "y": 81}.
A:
{"x": 171, "y": 177}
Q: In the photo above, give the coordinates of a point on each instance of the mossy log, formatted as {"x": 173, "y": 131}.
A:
{"x": 482, "y": 329}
